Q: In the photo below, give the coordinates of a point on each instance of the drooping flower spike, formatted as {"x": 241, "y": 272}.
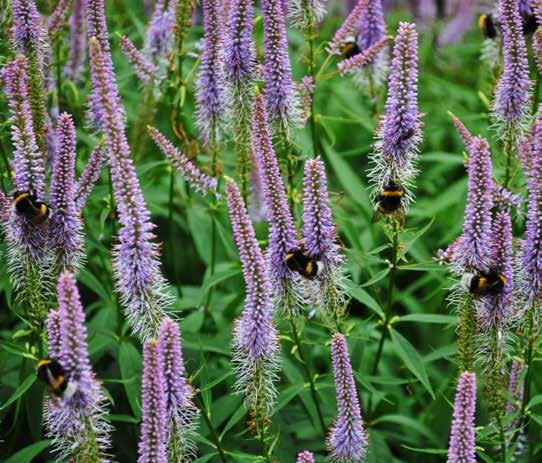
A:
{"x": 77, "y": 55}
{"x": 462, "y": 444}
{"x": 348, "y": 29}
{"x": 136, "y": 263}
{"x": 363, "y": 59}
{"x": 347, "y": 441}
{"x": 145, "y": 70}
{"x": 89, "y": 177}
{"x": 159, "y": 38}
{"x": 255, "y": 337}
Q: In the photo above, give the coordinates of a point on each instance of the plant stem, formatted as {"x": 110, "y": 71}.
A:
{"x": 309, "y": 375}
{"x": 310, "y": 35}
{"x": 214, "y": 435}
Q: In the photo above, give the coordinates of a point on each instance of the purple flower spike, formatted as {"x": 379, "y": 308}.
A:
{"x": 5, "y": 206}
{"x": 136, "y": 258}
{"x": 349, "y": 28}
{"x": 53, "y": 334}
{"x": 366, "y": 57}
{"x": 532, "y": 246}
{"x": 240, "y": 59}
{"x": 305, "y": 457}
{"x": 58, "y": 16}
{"x": 180, "y": 409}
{"x": 89, "y": 177}
{"x": 28, "y": 163}
{"x": 196, "y": 179}
{"x": 152, "y": 443}
{"x": 347, "y": 440}
{"x": 160, "y": 33}
{"x": 27, "y": 28}
{"x": 372, "y": 25}
{"x": 210, "y": 83}
{"x": 462, "y": 130}
{"x": 399, "y": 134}
{"x": 282, "y": 229}
{"x": 512, "y": 95}
{"x": 280, "y": 98}
{"x": 255, "y": 338}
{"x": 144, "y": 69}
{"x": 462, "y": 444}
{"x": 473, "y": 249}
{"x": 515, "y": 392}
{"x": 65, "y": 227}
{"x": 458, "y": 25}
{"x": 76, "y": 58}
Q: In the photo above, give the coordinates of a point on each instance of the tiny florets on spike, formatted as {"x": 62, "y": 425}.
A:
{"x": 196, "y": 179}
{"x": 347, "y": 441}
{"x": 53, "y": 334}
{"x": 239, "y": 55}
{"x": 27, "y": 28}
{"x": 255, "y": 338}
{"x": 366, "y": 57}
{"x": 304, "y": 14}
{"x": 458, "y": 24}
{"x": 76, "y": 57}
{"x": 305, "y": 457}
{"x": 462, "y": 444}
{"x": 160, "y": 33}
{"x": 58, "y": 16}
{"x": 372, "y": 26}
{"x": 462, "y": 130}
{"x": 89, "y": 177}
{"x": 144, "y": 69}
{"x": 153, "y": 440}
{"x": 348, "y": 29}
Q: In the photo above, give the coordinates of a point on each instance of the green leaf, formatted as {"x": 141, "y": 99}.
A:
{"x": 431, "y": 451}
{"x": 123, "y": 419}
{"x": 359, "y": 294}
{"x": 28, "y": 454}
{"x": 130, "y": 367}
{"x": 408, "y": 423}
{"x": 440, "y": 319}
{"x": 25, "y": 385}
{"x": 376, "y": 278}
{"x": 234, "y": 419}
{"x": 412, "y": 359}
{"x": 536, "y": 400}
{"x": 92, "y": 283}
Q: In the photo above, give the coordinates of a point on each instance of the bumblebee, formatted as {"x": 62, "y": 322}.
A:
{"x": 298, "y": 261}
{"x": 483, "y": 283}
{"x": 389, "y": 201}
{"x": 529, "y": 24}
{"x": 488, "y": 26}
{"x": 350, "y": 48}
{"x": 51, "y": 372}
{"x": 27, "y": 205}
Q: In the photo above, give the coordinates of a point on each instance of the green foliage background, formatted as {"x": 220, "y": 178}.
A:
{"x": 410, "y": 396}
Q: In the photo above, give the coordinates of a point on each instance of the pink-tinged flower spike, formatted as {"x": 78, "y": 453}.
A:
{"x": 65, "y": 229}
{"x": 75, "y": 420}
{"x": 53, "y": 334}
{"x": 160, "y": 34}
{"x": 349, "y": 28}
{"x": 347, "y": 441}
{"x": 136, "y": 263}
{"x": 462, "y": 130}
{"x": 279, "y": 91}
{"x": 511, "y": 104}
{"x": 399, "y": 135}
{"x": 189, "y": 172}
{"x": 459, "y": 24}
{"x": 305, "y": 457}
{"x": 89, "y": 177}
{"x": 58, "y": 16}
{"x": 462, "y": 444}
{"x": 76, "y": 57}
{"x": 181, "y": 411}
{"x": 144, "y": 69}
{"x": 153, "y": 440}
{"x": 473, "y": 250}
{"x": 255, "y": 337}
{"x": 363, "y": 59}
{"x": 282, "y": 234}
{"x": 210, "y": 84}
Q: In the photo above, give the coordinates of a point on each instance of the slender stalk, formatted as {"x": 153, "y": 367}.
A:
{"x": 310, "y": 36}
{"x": 309, "y": 375}
{"x": 112, "y": 206}
{"x": 214, "y": 435}
{"x": 261, "y": 432}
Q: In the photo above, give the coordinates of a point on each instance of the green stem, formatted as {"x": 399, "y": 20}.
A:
{"x": 308, "y": 373}
{"x": 508, "y": 155}
{"x": 214, "y": 435}
{"x": 309, "y": 34}
{"x": 112, "y": 207}
{"x": 260, "y": 430}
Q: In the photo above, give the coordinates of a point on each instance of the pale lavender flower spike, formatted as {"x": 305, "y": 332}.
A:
{"x": 512, "y": 94}
{"x": 372, "y": 42}
{"x": 138, "y": 276}
{"x": 399, "y": 135}
{"x": 462, "y": 444}
{"x": 181, "y": 412}
{"x": 75, "y": 421}
{"x": 76, "y": 58}
{"x": 160, "y": 33}
{"x": 305, "y": 457}
{"x": 347, "y": 441}
{"x": 348, "y": 29}
{"x": 282, "y": 235}
{"x": 145, "y": 70}
{"x": 153, "y": 439}
{"x": 210, "y": 83}
{"x": 27, "y": 28}
{"x": 196, "y": 178}
{"x": 65, "y": 224}
{"x": 255, "y": 337}
{"x": 239, "y": 55}
{"x": 58, "y": 16}
{"x": 279, "y": 91}
{"x": 89, "y": 177}
{"x": 363, "y": 59}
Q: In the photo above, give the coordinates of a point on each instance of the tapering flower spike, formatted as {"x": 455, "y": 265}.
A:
{"x": 399, "y": 135}
{"x": 144, "y": 69}
{"x": 347, "y": 441}
{"x": 181, "y": 412}
{"x": 159, "y": 38}
{"x": 349, "y": 28}
{"x": 65, "y": 226}
{"x": 53, "y": 334}
{"x": 462, "y": 445}
{"x": 27, "y": 28}
{"x": 139, "y": 280}
{"x": 305, "y": 457}
{"x": 58, "y": 16}
{"x": 462, "y": 131}
{"x": 210, "y": 82}
{"x": 89, "y": 177}
{"x": 196, "y": 179}
{"x": 153, "y": 440}
{"x": 473, "y": 250}
{"x": 512, "y": 95}
{"x": 459, "y": 24}
{"x": 75, "y": 421}
{"x": 363, "y": 59}
{"x": 78, "y": 44}
{"x": 280, "y": 98}
{"x": 372, "y": 27}
{"x": 255, "y": 338}
{"x": 282, "y": 234}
